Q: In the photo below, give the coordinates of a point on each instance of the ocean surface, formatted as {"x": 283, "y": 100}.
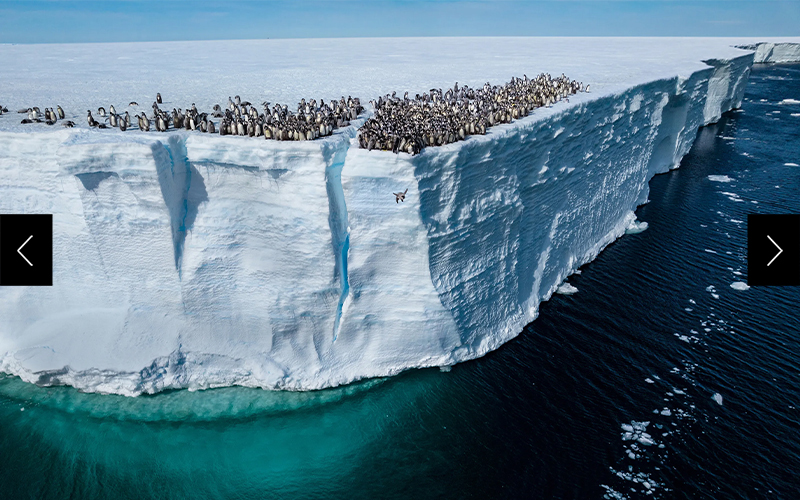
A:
{"x": 658, "y": 379}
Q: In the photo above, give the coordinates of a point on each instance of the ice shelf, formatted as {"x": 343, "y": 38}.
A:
{"x": 184, "y": 260}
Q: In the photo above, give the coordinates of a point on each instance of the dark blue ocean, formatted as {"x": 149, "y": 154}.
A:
{"x": 656, "y": 380}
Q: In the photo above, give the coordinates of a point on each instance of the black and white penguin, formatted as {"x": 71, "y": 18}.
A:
{"x": 101, "y": 111}
{"x": 60, "y": 112}
{"x": 133, "y": 103}
{"x": 158, "y": 97}
{"x": 112, "y": 110}
{"x": 90, "y": 119}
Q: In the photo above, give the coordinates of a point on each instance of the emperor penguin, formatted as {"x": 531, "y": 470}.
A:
{"x": 211, "y": 127}
{"x": 90, "y": 119}
{"x": 158, "y": 97}
{"x": 60, "y": 112}
{"x": 111, "y": 109}
{"x": 101, "y": 111}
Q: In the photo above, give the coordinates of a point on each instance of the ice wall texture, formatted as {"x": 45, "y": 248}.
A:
{"x": 184, "y": 260}
{"x": 772, "y": 52}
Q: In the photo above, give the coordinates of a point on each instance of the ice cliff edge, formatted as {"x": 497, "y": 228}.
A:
{"x": 186, "y": 261}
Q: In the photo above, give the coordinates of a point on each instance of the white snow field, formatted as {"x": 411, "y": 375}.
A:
{"x": 185, "y": 260}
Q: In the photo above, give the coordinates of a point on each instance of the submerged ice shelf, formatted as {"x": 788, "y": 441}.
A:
{"x": 185, "y": 260}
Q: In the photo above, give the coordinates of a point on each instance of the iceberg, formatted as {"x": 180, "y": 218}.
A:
{"x": 193, "y": 261}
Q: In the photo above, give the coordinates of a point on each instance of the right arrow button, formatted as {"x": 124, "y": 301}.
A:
{"x": 773, "y": 249}
{"x": 780, "y": 250}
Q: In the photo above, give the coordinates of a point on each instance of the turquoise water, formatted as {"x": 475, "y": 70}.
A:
{"x": 653, "y": 333}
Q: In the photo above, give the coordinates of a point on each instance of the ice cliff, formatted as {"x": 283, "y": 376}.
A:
{"x": 185, "y": 260}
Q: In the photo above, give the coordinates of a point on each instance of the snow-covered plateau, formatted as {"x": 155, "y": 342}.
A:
{"x": 185, "y": 260}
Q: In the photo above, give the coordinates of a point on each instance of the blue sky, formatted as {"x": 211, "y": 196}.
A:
{"x": 43, "y": 21}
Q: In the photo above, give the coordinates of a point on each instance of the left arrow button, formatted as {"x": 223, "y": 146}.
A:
{"x": 19, "y": 250}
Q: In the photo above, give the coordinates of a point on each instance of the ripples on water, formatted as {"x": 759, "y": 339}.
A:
{"x": 608, "y": 393}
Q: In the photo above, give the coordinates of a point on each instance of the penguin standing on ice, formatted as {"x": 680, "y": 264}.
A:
{"x": 158, "y": 98}
{"x": 60, "y": 112}
{"x": 90, "y": 118}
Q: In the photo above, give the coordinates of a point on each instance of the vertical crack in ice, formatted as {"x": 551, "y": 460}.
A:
{"x": 183, "y": 190}
{"x": 337, "y": 219}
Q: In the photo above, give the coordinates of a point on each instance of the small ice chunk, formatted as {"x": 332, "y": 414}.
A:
{"x": 566, "y": 289}
{"x": 740, "y": 285}
{"x": 666, "y": 412}
{"x": 791, "y": 165}
{"x": 636, "y": 227}
{"x": 445, "y": 369}
{"x": 718, "y": 398}
{"x": 719, "y": 178}
{"x": 789, "y": 101}
{"x": 649, "y": 380}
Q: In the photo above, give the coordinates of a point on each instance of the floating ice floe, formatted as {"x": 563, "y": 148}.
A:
{"x": 636, "y": 227}
{"x": 719, "y": 178}
{"x": 566, "y": 289}
{"x": 718, "y": 398}
{"x": 740, "y": 285}
{"x": 732, "y": 196}
{"x": 789, "y": 101}
{"x": 791, "y": 165}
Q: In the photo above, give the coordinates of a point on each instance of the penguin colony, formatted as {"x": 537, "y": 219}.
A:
{"x": 311, "y": 121}
{"x": 437, "y": 118}
{"x": 398, "y": 125}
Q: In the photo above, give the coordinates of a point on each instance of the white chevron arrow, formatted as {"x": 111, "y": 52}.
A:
{"x": 780, "y": 251}
{"x": 19, "y": 250}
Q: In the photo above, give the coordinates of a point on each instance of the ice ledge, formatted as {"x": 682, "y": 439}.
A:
{"x": 774, "y": 52}
{"x": 209, "y": 262}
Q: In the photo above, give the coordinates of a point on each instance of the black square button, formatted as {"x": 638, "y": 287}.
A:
{"x": 773, "y": 249}
{"x": 26, "y": 250}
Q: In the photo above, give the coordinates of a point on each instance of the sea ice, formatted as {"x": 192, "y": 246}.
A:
{"x": 739, "y": 285}
{"x": 717, "y": 397}
{"x": 719, "y": 178}
{"x": 636, "y": 227}
{"x": 566, "y": 289}
{"x": 789, "y": 101}
{"x": 791, "y": 165}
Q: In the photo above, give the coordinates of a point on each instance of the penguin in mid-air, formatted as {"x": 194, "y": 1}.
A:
{"x": 400, "y": 196}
